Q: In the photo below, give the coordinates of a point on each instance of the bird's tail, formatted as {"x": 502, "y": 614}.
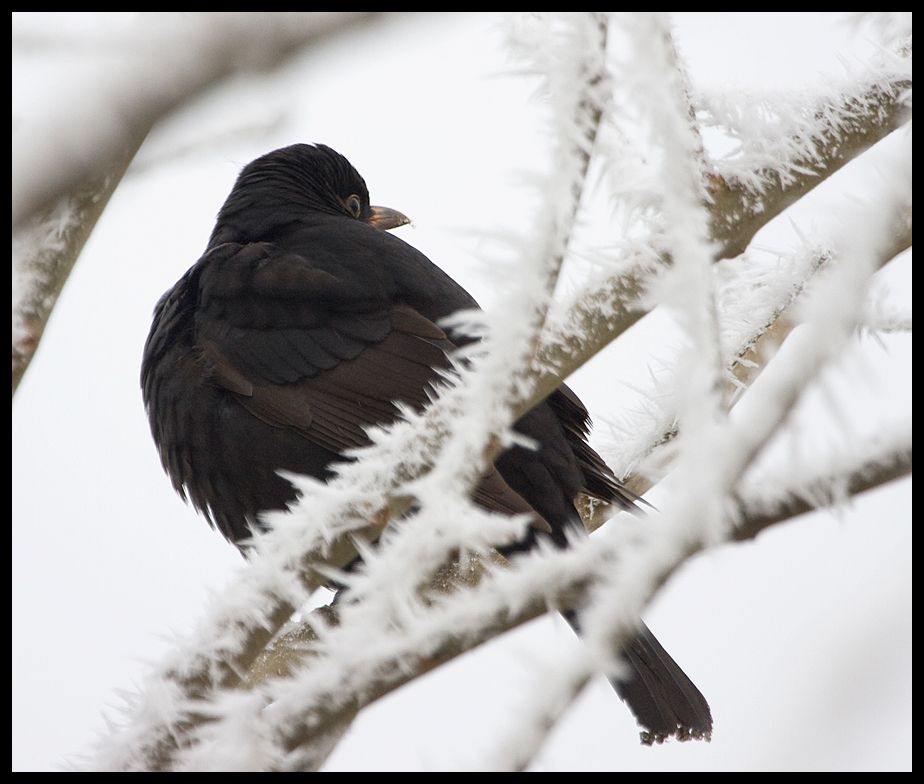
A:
{"x": 664, "y": 701}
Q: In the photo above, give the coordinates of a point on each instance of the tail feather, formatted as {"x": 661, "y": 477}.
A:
{"x": 664, "y": 701}
{"x": 661, "y": 696}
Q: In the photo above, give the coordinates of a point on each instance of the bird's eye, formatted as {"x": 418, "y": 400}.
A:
{"x": 354, "y": 205}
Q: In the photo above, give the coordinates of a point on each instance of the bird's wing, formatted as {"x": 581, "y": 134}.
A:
{"x": 303, "y": 350}
{"x": 300, "y": 350}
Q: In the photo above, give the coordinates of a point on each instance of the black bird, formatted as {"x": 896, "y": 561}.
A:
{"x": 300, "y": 326}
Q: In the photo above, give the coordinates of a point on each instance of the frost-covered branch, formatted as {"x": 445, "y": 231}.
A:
{"x": 68, "y": 160}
{"x": 741, "y": 201}
{"x": 760, "y": 502}
{"x": 173, "y": 61}
{"x": 809, "y": 141}
{"x": 44, "y": 253}
{"x": 444, "y": 628}
{"x": 758, "y": 309}
{"x": 764, "y": 501}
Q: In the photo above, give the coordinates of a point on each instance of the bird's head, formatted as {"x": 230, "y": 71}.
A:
{"x": 287, "y": 185}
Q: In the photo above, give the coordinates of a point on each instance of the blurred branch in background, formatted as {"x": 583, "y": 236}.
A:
{"x": 69, "y": 159}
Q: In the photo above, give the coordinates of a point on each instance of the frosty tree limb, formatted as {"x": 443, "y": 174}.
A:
{"x": 752, "y": 348}
{"x": 68, "y": 162}
{"x": 748, "y": 355}
{"x": 602, "y": 313}
{"x": 44, "y": 253}
{"x": 467, "y": 621}
{"x": 858, "y": 477}
{"x": 659, "y": 88}
{"x": 86, "y": 140}
{"x": 416, "y": 657}
{"x": 873, "y": 465}
{"x": 757, "y": 512}
{"x": 851, "y": 124}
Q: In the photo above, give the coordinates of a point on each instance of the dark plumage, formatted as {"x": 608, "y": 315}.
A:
{"x": 300, "y": 326}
